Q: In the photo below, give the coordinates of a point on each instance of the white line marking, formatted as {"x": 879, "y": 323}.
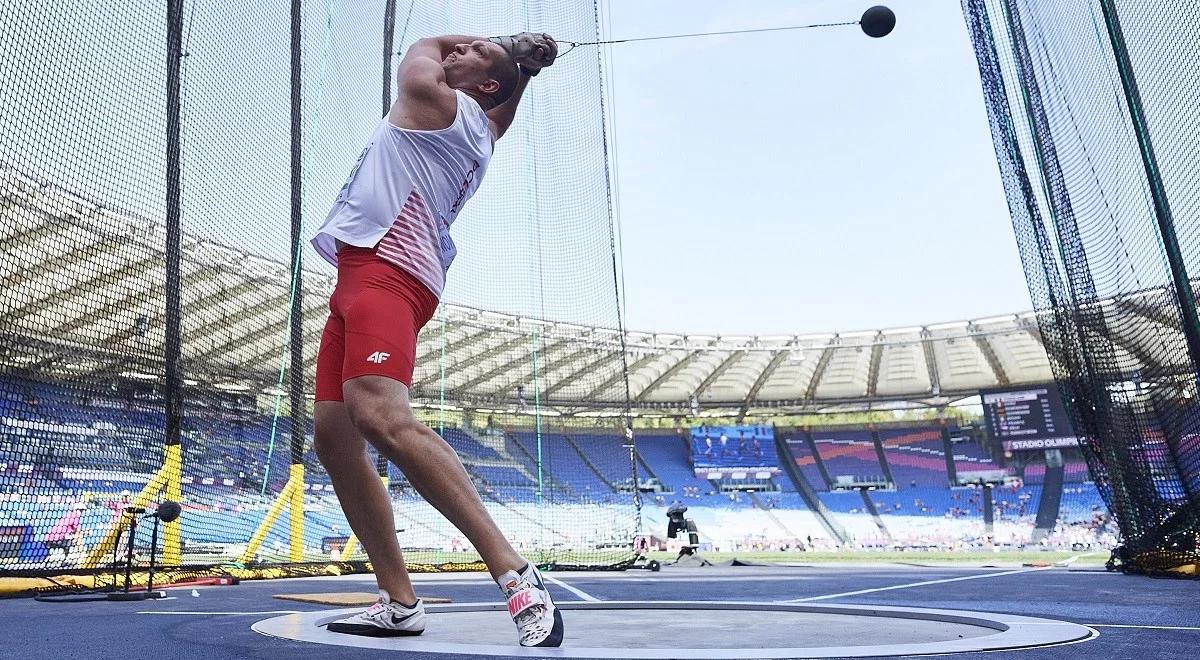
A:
{"x": 917, "y": 584}
{"x": 226, "y": 613}
{"x": 578, "y": 592}
{"x": 1071, "y": 560}
{"x": 1123, "y": 625}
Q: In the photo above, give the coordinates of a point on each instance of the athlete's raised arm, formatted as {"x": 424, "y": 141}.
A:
{"x": 532, "y": 53}
{"x": 492, "y": 71}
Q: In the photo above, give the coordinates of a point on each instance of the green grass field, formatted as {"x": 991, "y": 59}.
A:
{"x": 911, "y": 557}
{"x": 766, "y": 557}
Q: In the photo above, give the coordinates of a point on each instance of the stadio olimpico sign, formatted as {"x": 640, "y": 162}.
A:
{"x": 1041, "y": 443}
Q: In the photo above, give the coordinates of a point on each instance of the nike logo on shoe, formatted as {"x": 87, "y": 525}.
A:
{"x": 535, "y": 578}
{"x": 397, "y": 620}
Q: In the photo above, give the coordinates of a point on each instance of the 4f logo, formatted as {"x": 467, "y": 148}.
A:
{"x": 378, "y": 357}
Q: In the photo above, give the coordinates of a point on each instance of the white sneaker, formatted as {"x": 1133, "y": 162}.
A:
{"x": 539, "y": 622}
{"x": 386, "y": 618}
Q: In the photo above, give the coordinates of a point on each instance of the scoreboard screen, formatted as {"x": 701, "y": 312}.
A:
{"x": 1031, "y": 417}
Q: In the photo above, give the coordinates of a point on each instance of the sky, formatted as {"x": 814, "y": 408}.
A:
{"x": 780, "y": 183}
{"x": 805, "y": 181}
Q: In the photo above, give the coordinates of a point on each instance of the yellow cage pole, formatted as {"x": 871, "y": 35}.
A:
{"x": 296, "y": 519}
{"x": 102, "y": 549}
{"x": 284, "y": 499}
{"x": 172, "y": 471}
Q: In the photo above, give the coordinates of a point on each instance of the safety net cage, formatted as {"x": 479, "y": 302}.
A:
{"x": 163, "y": 166}
{"x": 1094, "y": 110}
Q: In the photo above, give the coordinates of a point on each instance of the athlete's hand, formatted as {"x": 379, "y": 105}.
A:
{"x": 530, "y": 50}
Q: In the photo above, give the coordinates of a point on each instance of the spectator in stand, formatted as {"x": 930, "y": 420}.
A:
{"x": 67, "y": 533}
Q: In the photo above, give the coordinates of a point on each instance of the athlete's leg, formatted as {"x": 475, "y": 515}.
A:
{"x": 362, "y": 495}
{"x": 379, "y": 408}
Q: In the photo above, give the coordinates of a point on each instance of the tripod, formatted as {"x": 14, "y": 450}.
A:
{"x": 168, "y": 511}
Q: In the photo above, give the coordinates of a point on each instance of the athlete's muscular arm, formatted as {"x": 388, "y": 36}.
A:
{"x": 424, "y": 101}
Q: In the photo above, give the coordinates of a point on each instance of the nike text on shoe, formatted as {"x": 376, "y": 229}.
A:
{"x": 539, "y": 622}
{"x": 386, "y": 618}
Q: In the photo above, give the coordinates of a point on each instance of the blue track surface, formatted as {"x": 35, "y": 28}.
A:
{"x": 99, "y": 631}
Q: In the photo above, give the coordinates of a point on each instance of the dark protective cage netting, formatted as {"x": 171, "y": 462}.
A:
{"x": 162, "y": 168}
{"x": 1095, "y": 113}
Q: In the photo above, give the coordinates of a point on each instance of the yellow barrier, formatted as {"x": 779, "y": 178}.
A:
{"x": 166, "y": 479}
{"x": 292, "y": 496}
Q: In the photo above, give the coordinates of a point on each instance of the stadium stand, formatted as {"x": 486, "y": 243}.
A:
{"x": 804, "y": 459}
{"x": 848, "y": 453}
{"x": 1074, "y": 472}
{"x": 607, "y": 454}
{"x": 229, "y": 448}
{"x": 565, "y": 465}
{"x": 667, "y": 455}
{"x": 916, "y": 456}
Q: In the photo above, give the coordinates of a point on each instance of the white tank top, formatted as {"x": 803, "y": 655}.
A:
{"x": 405, "y": 191}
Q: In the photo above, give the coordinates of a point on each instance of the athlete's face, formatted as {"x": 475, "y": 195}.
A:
{"x": 468, "y": 64}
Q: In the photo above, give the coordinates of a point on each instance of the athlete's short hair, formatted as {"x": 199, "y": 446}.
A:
{"x": 504, "y": 71}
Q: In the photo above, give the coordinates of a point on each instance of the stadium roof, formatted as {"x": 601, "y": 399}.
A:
{"x": 83, "y": 297}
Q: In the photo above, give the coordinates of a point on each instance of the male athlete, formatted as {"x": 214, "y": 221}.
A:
{"x": 388, "y": 235}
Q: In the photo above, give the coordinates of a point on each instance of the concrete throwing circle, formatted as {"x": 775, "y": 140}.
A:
{"x": 704, "y": 631}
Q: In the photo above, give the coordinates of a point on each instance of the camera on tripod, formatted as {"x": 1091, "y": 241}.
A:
{"x": 676, "y": 523}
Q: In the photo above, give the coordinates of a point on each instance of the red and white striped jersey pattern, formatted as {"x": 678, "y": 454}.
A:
{"x": 406, "y": 189}
{"x": 412, "y": 244}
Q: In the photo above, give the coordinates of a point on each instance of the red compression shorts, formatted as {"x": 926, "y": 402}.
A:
{"x": 375, "y": 313}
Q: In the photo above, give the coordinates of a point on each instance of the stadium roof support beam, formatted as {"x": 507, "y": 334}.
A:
{"x": 1034, "y": 331}
{"x": 57, "y": 226}
{"x": 206, "y": 301}
{"x": 822, "y": 363}
{"x": 666, "y": 375}
{"x": 1150, "y": 312}
{"x": 605, "y": 356}
{"x": 873, "y": 367}
{"x": 249, "y": 340}
{"x": 492, "y": 352}
{"x": 525, "y": 369}
{"x": 72, "y": 290}
{"x": 615, "y": 378}
{"x": 463, "y": 342}
{"x": 935, "y": 379}
{"x": 41, "y": 269}
{"x": 716, "y": 373}
{"x": 1130, "y": 345}
{"x": 564, "y": 360}
{"x": 762, "y": 379}
{"x": 989, "y": 354}
{"x": 197, "y": 275}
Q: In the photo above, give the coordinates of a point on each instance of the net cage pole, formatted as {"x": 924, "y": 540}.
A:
{"x": 166, "y": 480}
{"x": 389, "y": 30}
{"x": 1185, "y": 298}
{"x": 1078, "y": 310}
{"x": 1097, "y": 295}
{"x": 1068, "y": 305}
{"x": 1158, "y": 192}
{"x": 295, "y": 314}
{"x": 291, "y": 497}
{"x": 629, "y": 438}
